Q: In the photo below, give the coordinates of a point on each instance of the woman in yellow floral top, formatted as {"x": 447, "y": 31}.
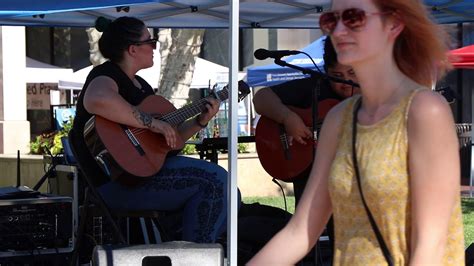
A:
{"x": 407, "y": 149}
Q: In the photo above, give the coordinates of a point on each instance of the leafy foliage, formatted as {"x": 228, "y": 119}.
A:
{"x": 189, "y": 149}
{"x": 51, "y": 141}
{"x": 242, "y": 147}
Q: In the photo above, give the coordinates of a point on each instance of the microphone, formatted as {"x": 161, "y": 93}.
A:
{"x": 262, "y": 54}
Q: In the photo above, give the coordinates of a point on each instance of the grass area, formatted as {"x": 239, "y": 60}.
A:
{"x": 273, "y": 201}
{"x": 468, "y": 218}
{"x": 466, "y": 203}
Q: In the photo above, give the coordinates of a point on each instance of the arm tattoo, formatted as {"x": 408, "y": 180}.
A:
{"x": 142, "y": 117}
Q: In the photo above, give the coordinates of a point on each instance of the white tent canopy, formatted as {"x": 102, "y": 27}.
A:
{"x": 39, "y": 72}
{"x": 205, "y": 73}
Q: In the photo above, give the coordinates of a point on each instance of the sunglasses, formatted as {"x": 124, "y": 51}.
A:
{"x": 151, "y": 42}
{"x": 352, "y": 18}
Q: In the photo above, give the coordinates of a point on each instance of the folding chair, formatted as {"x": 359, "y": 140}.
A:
{"x": 92, "y": 198}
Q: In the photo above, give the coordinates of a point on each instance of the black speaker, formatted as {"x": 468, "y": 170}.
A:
{"x": 176, "y": 253}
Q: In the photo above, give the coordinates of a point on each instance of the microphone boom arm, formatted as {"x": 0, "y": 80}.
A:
{"x": 315, "y": 74}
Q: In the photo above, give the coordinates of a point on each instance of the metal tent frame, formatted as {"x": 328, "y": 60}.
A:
{"x": 231, "y": 14}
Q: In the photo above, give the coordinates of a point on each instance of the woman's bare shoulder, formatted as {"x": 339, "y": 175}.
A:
{"x": 102, "y": 84}
{"x": 103, "y": 81}
{"x": 336, "y": 113}
{"x": 427, "y": 104}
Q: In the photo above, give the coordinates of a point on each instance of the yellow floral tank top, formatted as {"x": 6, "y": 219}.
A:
{"x": 382, "y": 152}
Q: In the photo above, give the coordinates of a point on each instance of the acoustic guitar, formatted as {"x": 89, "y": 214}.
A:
{"x": 131, "y": 155}
{"x": 278, "y": 158}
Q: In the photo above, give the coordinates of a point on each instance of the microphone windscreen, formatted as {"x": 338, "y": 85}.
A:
{"x": 261, "y": 54}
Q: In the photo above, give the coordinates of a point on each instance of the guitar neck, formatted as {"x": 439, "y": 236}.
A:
{"x": 182, "y": 114}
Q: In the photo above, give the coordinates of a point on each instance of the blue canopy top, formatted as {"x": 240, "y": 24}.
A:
{"x": 196, "y": 13}
{"x": 23, "y": 8}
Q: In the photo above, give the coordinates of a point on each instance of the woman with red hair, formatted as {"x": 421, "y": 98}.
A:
{"x": 387, "y": 163}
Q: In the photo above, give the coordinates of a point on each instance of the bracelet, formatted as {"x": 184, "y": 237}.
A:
{"x": 199, "y": 123}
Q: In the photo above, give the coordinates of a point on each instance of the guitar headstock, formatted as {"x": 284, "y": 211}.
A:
{"x": 243, "y": 91}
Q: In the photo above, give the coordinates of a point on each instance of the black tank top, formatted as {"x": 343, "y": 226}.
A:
{"x": 127, "y": 90}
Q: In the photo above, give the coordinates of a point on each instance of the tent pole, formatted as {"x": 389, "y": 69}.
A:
{"x": 232, "y": 137}
{"x": 472, "y": 146}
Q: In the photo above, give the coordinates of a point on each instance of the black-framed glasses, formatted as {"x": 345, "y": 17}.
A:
{"x": 151, "y": 42}
{"x": 352, "y": 18}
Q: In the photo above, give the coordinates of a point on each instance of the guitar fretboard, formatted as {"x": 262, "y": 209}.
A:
{"x": 179, "y": 116}
{"x": 464, "y": 133}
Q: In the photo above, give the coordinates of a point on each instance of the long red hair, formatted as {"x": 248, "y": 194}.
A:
{"x": 421, "y": 48}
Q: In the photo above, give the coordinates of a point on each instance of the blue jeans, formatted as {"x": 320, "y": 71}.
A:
{"x": 197, "y": 187}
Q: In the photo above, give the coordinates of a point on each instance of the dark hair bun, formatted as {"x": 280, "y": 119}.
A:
{"x": 101, "y": 24}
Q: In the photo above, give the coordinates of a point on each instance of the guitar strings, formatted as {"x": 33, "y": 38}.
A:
{"x": 176, "y": 117}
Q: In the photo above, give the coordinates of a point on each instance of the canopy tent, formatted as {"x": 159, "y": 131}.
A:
{"x": 229, "y": 14}
{"x": 205, "y": 73}
{"x": 273, "y": 74}
{"x": 196, "y": 13}
{"x": 164, "y": 13}
{"x": 39, "y": 72}
{"x": 463, "y": 57}
{"x": 76, "y": 80}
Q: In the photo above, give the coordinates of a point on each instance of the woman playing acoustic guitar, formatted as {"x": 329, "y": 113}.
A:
{"x": 113, "y": 91}
{"x": 289, "y": 104}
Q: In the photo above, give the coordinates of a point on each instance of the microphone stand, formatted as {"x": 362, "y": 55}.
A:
{"x": 318, "y": 77}
{"x": 315, "y": 74}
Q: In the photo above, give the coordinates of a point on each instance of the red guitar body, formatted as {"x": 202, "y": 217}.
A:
{"x": 270, "y": 149}
{"x": 109, "y": 140}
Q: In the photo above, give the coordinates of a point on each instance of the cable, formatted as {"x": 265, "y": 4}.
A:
{"x": 51, "y": 169}
{"x": 282, "y": 191}
{"x": 311, "y": 58}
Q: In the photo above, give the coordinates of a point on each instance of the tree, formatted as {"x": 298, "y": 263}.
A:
{"x": 95, "y": 56}
{"x": 178, "y": 48}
